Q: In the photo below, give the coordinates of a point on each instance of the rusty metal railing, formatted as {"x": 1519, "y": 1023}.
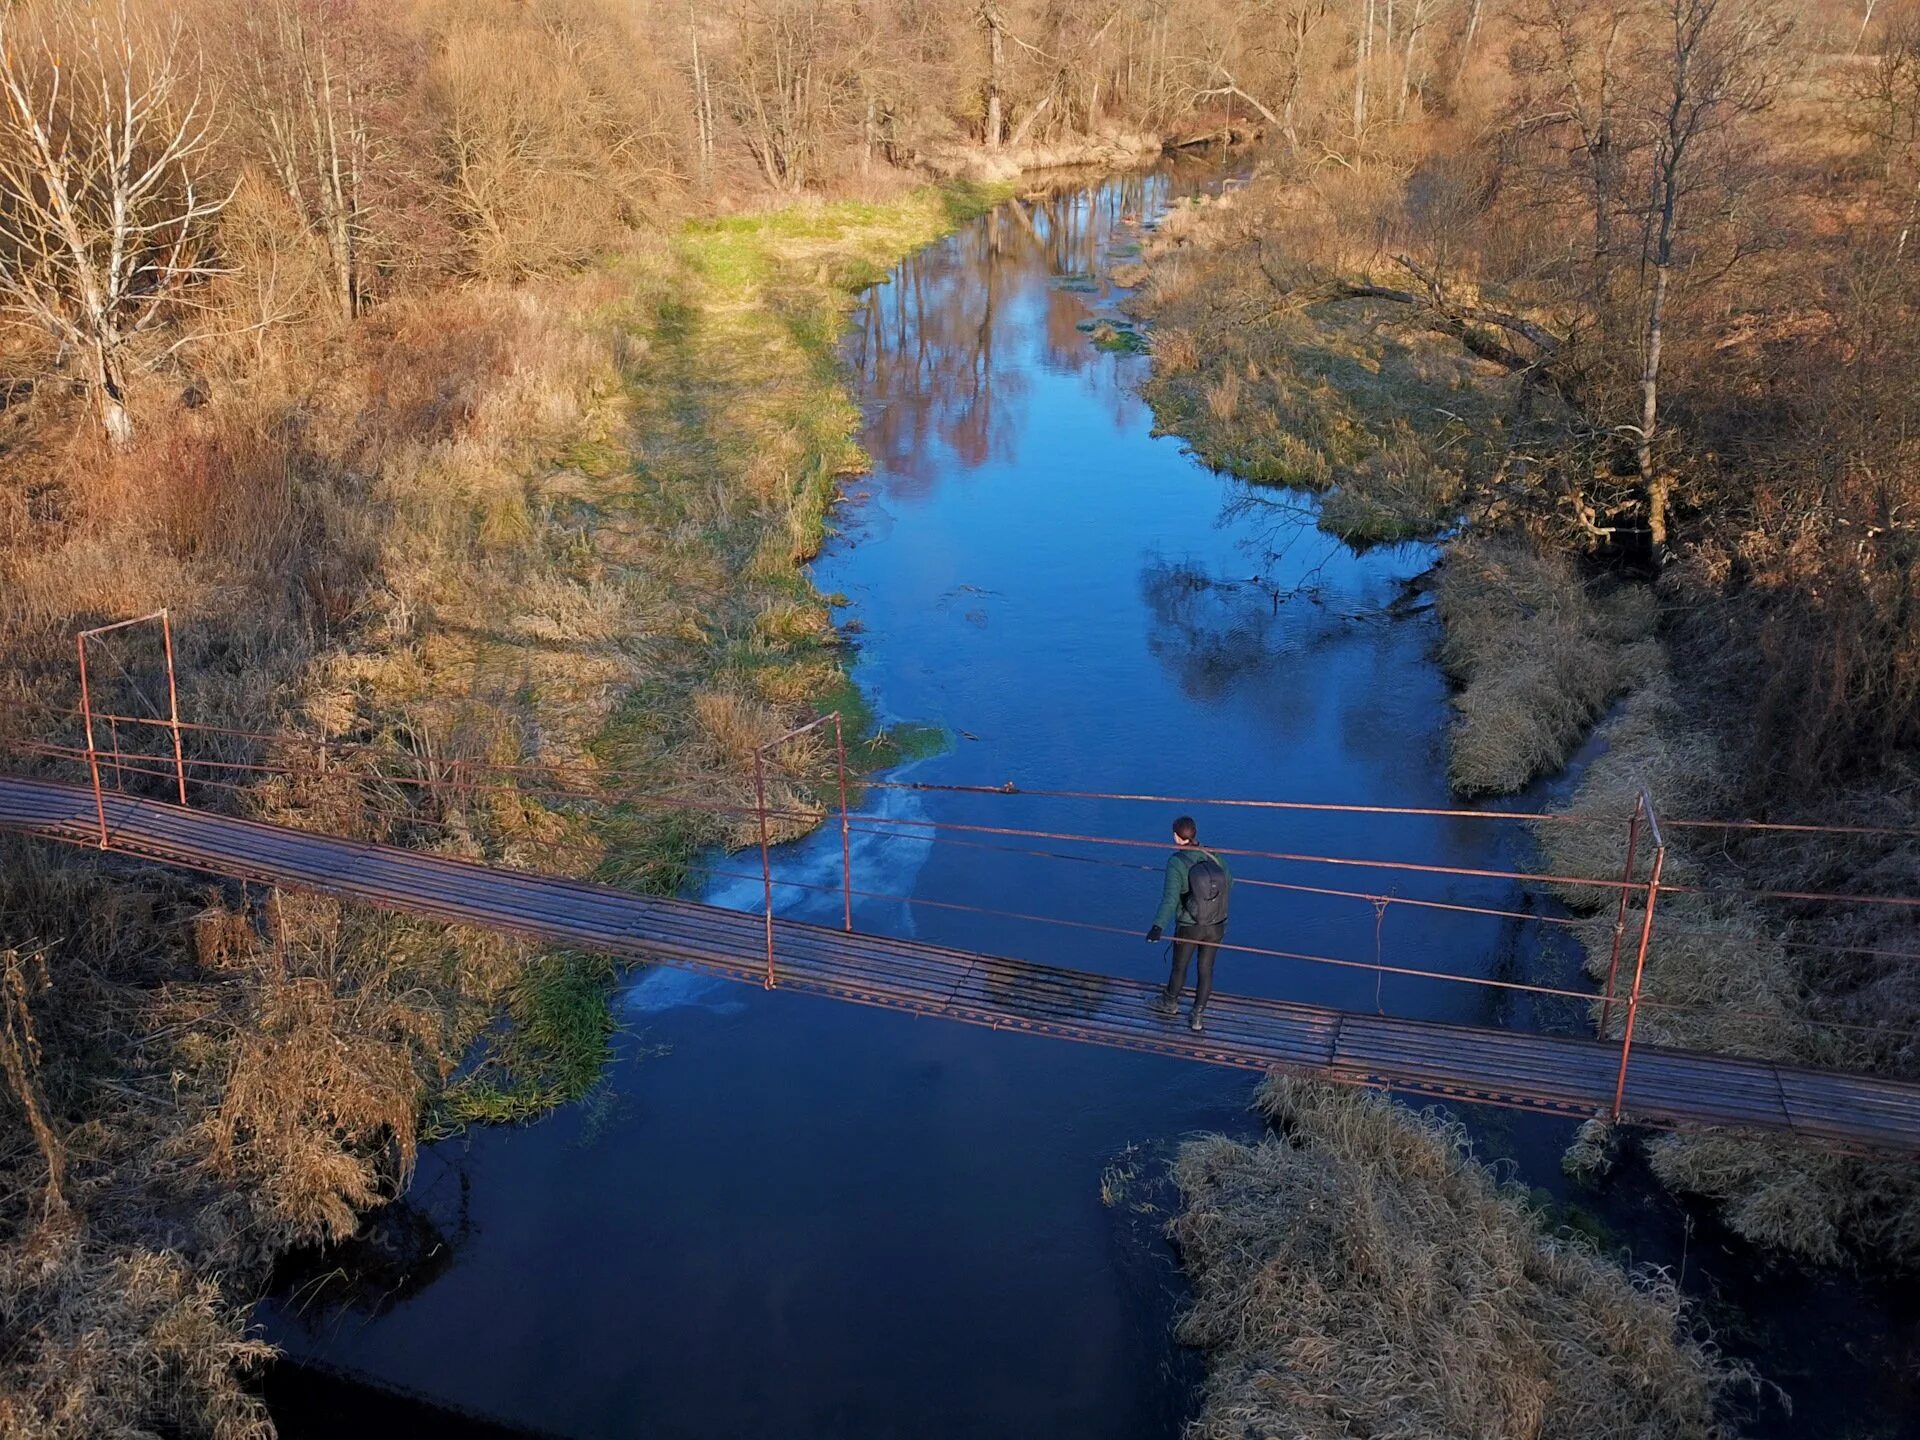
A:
{"x": 763, "y": 819}
{"x": 1644, "y": 829}
{"x": 172, "y": 721}
{"x": 1646, "y": 935}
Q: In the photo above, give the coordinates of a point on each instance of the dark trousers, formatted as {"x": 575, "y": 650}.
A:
{"x": 1187, "y": 940}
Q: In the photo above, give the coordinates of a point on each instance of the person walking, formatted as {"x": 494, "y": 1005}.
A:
{"x": 1194, "y": 902}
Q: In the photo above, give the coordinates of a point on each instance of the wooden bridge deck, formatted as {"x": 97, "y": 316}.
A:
{"x": 1564, "y": 1075}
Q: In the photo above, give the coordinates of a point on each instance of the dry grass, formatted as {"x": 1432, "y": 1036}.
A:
{"x": 1279, "y": 389}
{"x": 119, "y": 1344}
{"x": 1397, "y": 492}
{"x": 558, "y": 525}
{"x": 1737, "y": 988}
{"x": 1651, "y": 747}
{"x": 1537, "y": 656}
{"x": 1362, "y": 1274}
{"x": 1174, "y": 350}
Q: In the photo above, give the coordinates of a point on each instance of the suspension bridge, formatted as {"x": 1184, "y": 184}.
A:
{"x": 1561, "y": 1074}
{"x": 136, "y": 804}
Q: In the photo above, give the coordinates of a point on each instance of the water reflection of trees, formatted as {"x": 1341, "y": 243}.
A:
{"x": 1211, "y": 634}
{"x": 943, "y": 349}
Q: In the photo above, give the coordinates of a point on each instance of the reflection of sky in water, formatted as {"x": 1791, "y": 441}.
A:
{"x": 808, "y": 876}
{"x": 806, "y": 1218}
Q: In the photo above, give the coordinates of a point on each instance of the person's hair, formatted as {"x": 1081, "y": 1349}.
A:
{"x": 1185, "y": 829}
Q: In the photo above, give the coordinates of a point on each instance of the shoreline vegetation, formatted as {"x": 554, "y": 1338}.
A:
{"x": 597, "y": 566}
{"x": 474, "y": 398}
{"x": 601, "y": 568}
{"x": 1438, "y": 331}
{"x": 1547, "y": 640}
{"x": 1358, "y": 1271}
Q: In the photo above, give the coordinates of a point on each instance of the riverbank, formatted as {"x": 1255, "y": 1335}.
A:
{"x": 560, "y": 526}
{"x": 1273, "y": 362}
{"x": 1025, "y": 552}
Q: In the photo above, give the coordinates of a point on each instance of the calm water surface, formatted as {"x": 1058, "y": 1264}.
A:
{"x": 786, "y": 1216}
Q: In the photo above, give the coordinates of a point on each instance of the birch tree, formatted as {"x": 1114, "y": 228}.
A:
{"x": 104, "y": 133}
{"x": 1715, "y": 62}
{"x": 309, "y": 111}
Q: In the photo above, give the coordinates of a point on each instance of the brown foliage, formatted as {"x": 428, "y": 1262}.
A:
{"x": 1362, "y": 1273}
{"x": 1538, "y": 658}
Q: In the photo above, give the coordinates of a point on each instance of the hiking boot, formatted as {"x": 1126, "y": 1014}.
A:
{"x": 1194, "y": 1021}
{"x": 1163, "y": 1007}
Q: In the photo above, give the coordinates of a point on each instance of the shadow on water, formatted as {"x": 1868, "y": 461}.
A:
{"x": 790, "y": 1216}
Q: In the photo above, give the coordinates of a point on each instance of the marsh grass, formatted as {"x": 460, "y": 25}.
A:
{"x": 1389, "y": 423}
{"x": 1537, "y": 656}
{"x": 551, "y": 1048}
{"x": 559, "y": 526}
{"x": 1744, "y": 991}
{"x": 1359, "y": 1272}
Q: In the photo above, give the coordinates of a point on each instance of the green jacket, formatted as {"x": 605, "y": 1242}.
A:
{"x": 1173, "y": 895}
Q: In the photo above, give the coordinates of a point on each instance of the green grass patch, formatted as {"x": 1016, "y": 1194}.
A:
{"x": 740, "y": 428}
{"x": 602, "y": 457}
{"x": 550, "y": 1048}
{"x": 1116, "y": 337}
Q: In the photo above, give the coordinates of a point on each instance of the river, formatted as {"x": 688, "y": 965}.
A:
{"x": 788, "y": 1216}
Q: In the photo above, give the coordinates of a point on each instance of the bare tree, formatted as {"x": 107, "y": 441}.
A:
{"x": 1300, "y": 20}
{"x": 1362, "y": 62}
{"x": 103, "y": 132}
{"x": 703, "y": 111}
{"x": 1718, "y": 61}
{"x": 1883, "y": 109}
{"x": 310, "y": 114}
{"x": 1257, "y": 53}
{"x": 786, "y": 82}
{"x": 1576, "y": 57}
{"x": 994, "y": 22}
{"x": 549, "y": 143}
{"x": 1422, "y": 16}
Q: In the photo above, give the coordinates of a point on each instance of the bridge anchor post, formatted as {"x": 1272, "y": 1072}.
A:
{"x": 173, "y": 706}
{"x": 1640, "y": 959}
{"x": 93, "y": 753}
{"x": 766, "y": 857}
{"x": 1620, "y": 916}
{"x": 846, "y": 829}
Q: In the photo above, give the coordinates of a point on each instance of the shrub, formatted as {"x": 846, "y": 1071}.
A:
{"x": 1361, "y": 1273}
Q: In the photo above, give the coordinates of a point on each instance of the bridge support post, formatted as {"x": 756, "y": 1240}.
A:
{"x": 173, "y": 707}
{"x": 1620, "y": 916}
{"x": 766, "y": 856}
{"x": 93, "y": 754}
{"x": 171, "y": 723}
{"x": 1640, "y": 959}
{"x": 846, "y": 828}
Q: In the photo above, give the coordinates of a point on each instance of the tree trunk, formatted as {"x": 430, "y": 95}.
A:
{"x": 996, "y": 60}
{"x": 1466, "y": 41}
{"x": 702, "y": 98}
{"x": 1673, "y": 152}
{"x": 1655, "y": 486}
{"x": 1362, "y": 54}
{"x": 110, "y": 396}
{"x": 1414, "y": 27}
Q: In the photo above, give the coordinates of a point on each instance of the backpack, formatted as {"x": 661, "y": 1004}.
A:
{"x": 1206, "y": 898}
